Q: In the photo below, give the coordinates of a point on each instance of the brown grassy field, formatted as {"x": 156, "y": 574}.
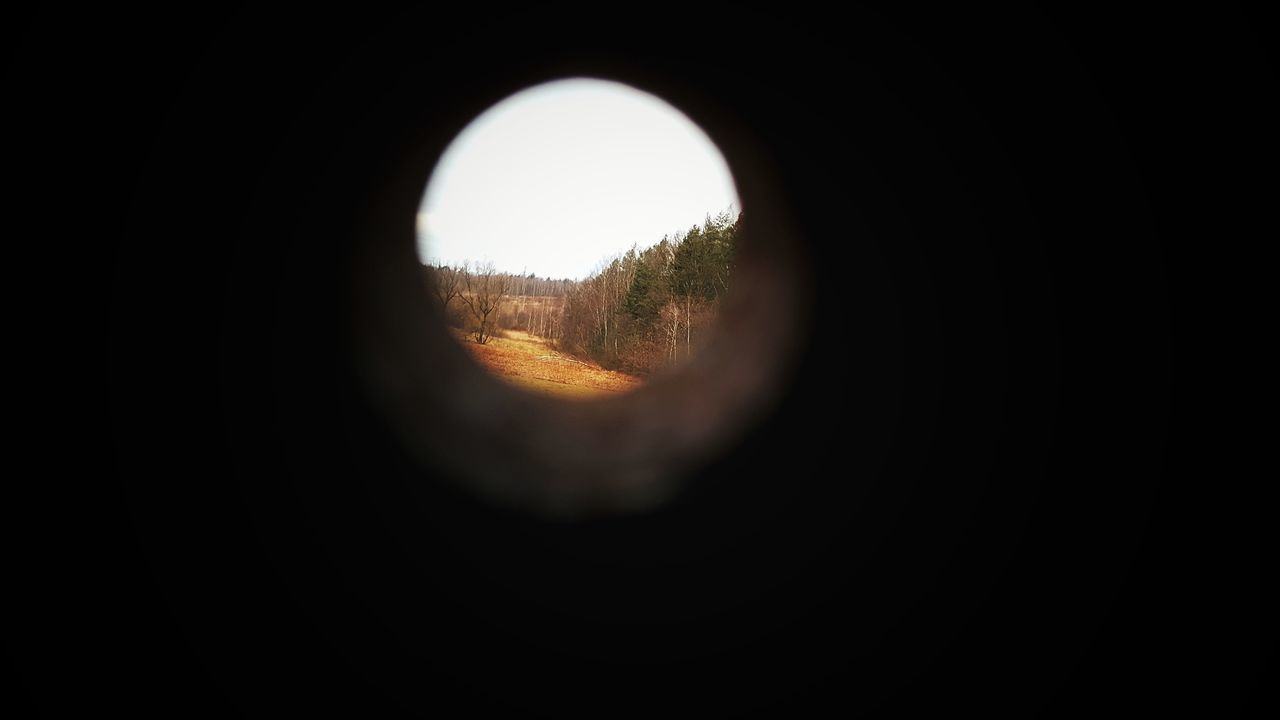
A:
{"x": 528, "y": 362}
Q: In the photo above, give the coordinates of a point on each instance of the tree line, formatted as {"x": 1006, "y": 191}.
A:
{"x": 481, "y": 301}
{"x": 639, "y": 311}
{"x": 649, "y": 308}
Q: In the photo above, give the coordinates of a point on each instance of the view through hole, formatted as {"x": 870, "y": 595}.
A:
{"x": 579, "y": 238}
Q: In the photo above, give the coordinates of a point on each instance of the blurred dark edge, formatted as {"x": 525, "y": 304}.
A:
{"x": 578, "y": 460}
{"x": 981, "y": 485}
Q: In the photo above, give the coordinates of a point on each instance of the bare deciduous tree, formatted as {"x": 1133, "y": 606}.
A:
{"x": 447, "y": 285}
{"x": 484, "y": 291}
{"x": 669, "y": 316}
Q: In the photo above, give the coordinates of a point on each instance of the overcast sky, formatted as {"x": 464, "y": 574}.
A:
{"x": 557, "y": 177}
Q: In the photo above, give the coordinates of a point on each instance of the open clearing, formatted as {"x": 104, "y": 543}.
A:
{"x": 528, "y": 362}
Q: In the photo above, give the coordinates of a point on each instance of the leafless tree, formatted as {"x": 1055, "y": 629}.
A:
{"x": 484, "y": 292}
{"x": 447, "y": 285}
{"x": 669, "y": 316}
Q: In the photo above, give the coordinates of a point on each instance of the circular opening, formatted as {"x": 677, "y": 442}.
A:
{"x": 624, "y": 448}
{"x": 579, "y": 238}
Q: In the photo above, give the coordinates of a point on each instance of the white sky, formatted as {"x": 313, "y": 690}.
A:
{"x": 557, "y": 177}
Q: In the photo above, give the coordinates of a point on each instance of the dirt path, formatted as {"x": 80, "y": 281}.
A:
{"x": 527, "y": 361}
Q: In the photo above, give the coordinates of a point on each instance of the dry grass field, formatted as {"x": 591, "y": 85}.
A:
{"x": 527, "y": 361}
